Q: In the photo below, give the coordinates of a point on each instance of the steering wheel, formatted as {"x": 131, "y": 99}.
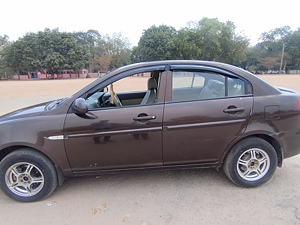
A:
{"x": 100, "y": 102}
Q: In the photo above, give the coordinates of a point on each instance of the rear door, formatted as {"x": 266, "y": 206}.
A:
{"x": 205, "y": 111}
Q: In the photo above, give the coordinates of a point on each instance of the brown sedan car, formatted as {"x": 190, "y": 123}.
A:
{"x": 178, "y": 114}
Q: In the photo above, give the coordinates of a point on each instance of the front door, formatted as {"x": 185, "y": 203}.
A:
{"x": 117, "y": 134}
{"x": 114, "y": 139}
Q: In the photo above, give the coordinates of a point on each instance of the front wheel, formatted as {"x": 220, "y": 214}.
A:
{"x": 27, "y": 176}
{"x": 251, "y": 162}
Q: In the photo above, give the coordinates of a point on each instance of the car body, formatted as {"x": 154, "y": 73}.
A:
{"x": 176, "y": 114}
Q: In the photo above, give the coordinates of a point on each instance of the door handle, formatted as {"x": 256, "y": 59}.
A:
{"x": 233, "y": 110}
{"x": 144, "y": 118}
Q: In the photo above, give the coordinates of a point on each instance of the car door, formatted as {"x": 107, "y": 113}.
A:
{"x": 205, "y": 111}
{"x": 117, "y": 137}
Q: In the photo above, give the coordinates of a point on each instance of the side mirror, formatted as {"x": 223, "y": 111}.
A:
{"x": 79, "y": 106}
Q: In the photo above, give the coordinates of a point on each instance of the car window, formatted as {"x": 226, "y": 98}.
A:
{"x": 136, "y": 89}
{"x": 236, "y": 87}
{"x": 183, "y": 79}
{"x": 193, "y": 85}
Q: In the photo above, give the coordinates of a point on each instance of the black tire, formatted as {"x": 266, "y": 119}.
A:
{"x": 251, "y": 162}
{"x": 27, "y": 176}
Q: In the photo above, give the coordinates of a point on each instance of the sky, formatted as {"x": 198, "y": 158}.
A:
{"x": 131, "y": 17}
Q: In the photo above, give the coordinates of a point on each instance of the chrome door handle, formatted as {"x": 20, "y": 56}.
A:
{"x": 234, "y": 110}
{"x": 145, "y": 118}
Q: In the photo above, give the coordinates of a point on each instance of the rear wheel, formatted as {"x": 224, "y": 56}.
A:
{"x": 251, "y": 162}
{"x": 27, "y": 176}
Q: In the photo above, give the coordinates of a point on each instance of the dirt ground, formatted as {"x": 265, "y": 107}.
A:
{"x": 202, "y": 196}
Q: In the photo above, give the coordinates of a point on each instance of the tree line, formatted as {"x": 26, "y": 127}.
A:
{"x": 206, "y": 39}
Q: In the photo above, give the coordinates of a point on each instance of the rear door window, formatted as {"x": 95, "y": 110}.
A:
{"x": 193, "y": 85}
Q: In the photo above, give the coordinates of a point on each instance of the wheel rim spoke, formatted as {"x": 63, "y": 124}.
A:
{"x": 243, "y": 162}
{"x": 28, "y": 169}
{"x": 262, "y": 160}
{"x": 259, "y": 172}
{"x": 29, "y": 189}
{"x": 246, "y": 173}
{"x": 15, "y": 172}
{"x": 14, "y": 184}
{"x": 36, "y": 180}
{"x": 253, "y": 154}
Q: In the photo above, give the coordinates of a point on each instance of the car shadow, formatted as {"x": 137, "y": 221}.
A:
{"x": 152, "y": 180}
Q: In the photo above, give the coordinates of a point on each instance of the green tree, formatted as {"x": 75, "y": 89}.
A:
{"x": 104, "y": 52}
{"x": 4, "y": 41}
{"x": 184, "y": 46}
{"x": 16, "y": 57}
{"x": 273, "y": 43}
{"x": 112, "y": 52}
{"x": 49, "y": 49}
{"x": 157, "y": 43}
{"x": 4, "y": 69}
{"x": 267, "y": 54}
{"x": 136, "y": 55}
{"x": 276, "y": 35}
{"x": 292, "y": 42}
{"x": 53, "y": 62}
{"x": 258, "y": 61}
{"x": 218, "y": 41}
{"x": 207, "y": 39}
{"x": 89, "y": 42}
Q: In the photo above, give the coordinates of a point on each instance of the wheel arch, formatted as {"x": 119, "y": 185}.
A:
{"x": 4, "y": 152}
{"x": 271, "y": 140}
{"x": 276, "y": 145}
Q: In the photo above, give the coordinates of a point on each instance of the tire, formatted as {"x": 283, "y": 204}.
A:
{"x": 27, "y": 176}
{"x": 251, "y": 162}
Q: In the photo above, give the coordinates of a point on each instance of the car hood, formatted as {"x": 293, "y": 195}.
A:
{"x": 30, "y": 111}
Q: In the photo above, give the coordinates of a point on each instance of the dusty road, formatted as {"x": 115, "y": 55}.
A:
{"x": 191, "y": 197}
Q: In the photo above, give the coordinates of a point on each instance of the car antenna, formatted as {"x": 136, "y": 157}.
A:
{"x": 219, "y": 55}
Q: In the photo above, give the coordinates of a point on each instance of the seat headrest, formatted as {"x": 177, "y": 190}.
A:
{"x": 218, "y": 85}
{"x": 215, "y": 84}
{"x": 152, "y": 83}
